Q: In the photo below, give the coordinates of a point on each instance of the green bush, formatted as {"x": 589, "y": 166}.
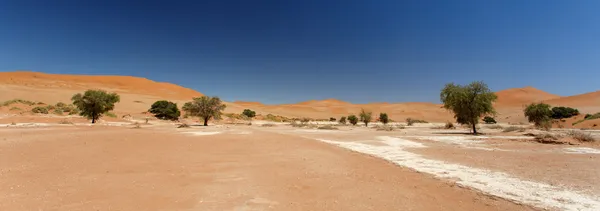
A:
{"x": 343, "y": 120}
{"x": 40, "y": 110}
{"x": 489, "y": 120}
{"x": 166, "y": 110}
{"x": 365, "y": 117}
{"x": 353, "y": 119}
{"x": 332, "y": 119}
{"x": 539, "y": 113}
{"x": 19, "y": 101}
{"x": 60, "y": 105}
{"x": 58, "y": 111}
{"x": 383, "y": 118}
{"x": 563, "y": 112}
{"x": 249, "y": 113}
{"x": 327, "y": 127}
{"x": 594, "y": 116}
{"x": 15, "y": 109}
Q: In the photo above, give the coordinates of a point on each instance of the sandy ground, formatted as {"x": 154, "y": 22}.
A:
{"x": 213, "y": 168}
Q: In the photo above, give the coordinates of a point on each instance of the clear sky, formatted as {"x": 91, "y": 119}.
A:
{"x": 290, "y": 51}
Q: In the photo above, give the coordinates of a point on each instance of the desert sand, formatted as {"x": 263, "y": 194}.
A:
{"x": 135, "y": 162}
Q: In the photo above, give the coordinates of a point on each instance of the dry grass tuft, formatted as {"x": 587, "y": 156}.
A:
{"x": 65, "y": 122}
{"x": 183, "y": 125}
{"x": 327, "y": 127}
{"x": 268, "y": 125}
{"x": 384, "y": 128}
{"x": 581, "y": 136}
{"x": 495, "y": 127}
{"x": 514, "y": 128}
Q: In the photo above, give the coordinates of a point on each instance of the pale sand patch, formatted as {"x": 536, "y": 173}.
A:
{"x": 582, "y": 150}
{"x": 202, "y": 133}
{"x": 490, "y": 182}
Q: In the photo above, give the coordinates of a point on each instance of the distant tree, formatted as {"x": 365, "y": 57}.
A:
{"x": 94, "y": 103}
{"x": 205, "y": 107}
{"x": 365, "y": 117}
{"x": 539, "y": 114}
{"x": 489, "y": 120}
{"x": 353, "y": 119}
{"x": 468, "y": 103}
{"x": 343, "y": 120}
{"x": 249, "y": 113}
{"x": 383, "y": 118}
{"x": 163, "y": 109}
{"x": 564, "y": 112}
{"x": 332, "y": 119}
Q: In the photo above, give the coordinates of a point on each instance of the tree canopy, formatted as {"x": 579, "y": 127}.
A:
{"x": 365, "y": 117}
{"x": 205, "y": 107}
{"x": 353, "y": 119}
{"x": 383, "y": 118}
{"x": 539, "y": 113}
{"x": 163, "y": 109}
{"x": 94, "y": 103}
{"x": 468, "y": 103}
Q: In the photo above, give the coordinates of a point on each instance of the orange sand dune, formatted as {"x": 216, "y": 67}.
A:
{"x": 137, "y": 94}
{"x": 522, "y": 96}
{"x": 127, "y": 84}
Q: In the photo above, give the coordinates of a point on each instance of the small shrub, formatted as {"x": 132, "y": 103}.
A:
{"x": 40, "y": 110}
{"x": 249, "y": 113}
{"x": 110, "y": 114}
{"x": 60, "y": 105}
{"x": 332, "y": 119}
{"x": 449, "y": 125}
{"x": 268, "y": 125}
{"x": 183, "y": 125}
{"x": 547, "y": 138}
{"x": 13, "y": 123}
{"x": 489, "y": 120}
{"x": 137, "y": 101}
{"x": 74, "y": 111}
{"x": 513, "y": 128}
{"x": 411, "y": 121}
{"x": 353, "y": 119}
{"x": 383, "y": 118}
{"x": 15, "y": 109}
{"x": 50, "y": 107}
{"x": 581, "y": 136}
{"x": 58, "y": 111}
{"x": 327, "y": 127}
{"x": 384, "y": 128}
{"x": 343, "y": 120}
{"x": 400, "y": 126}
{"x": 594, "y": 116}
{"x": 305, "y": 120}
{"x": 587, "y": 116}
{"x": 18, "y": 101}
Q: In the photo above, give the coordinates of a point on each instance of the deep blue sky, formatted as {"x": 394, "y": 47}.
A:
{"x": 290, "y": 51}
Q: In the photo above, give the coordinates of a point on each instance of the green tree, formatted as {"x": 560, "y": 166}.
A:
{"x": 539, "y": 114}
{"x": 163, "y": 109}
{"x": 343, "y": 120}
{"x": 365, "y": 116}
{"x": 249, "y": 113}
{"x": 383, "y": 118}
{"x": 563, "y": 112}
{"x": 489, "y": 120}
{"x": 353, "y": 119}
{"x": 94, "y": 103}
{"x": 205, "y": 107}
{"x": 468, "y": 103}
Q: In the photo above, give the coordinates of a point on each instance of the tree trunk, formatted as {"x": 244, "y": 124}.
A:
{"x": 366, "y": 124}
{"x": 474, "y": 128}
{"x": 93, "y": 120}
{"x": 206, "y": 121}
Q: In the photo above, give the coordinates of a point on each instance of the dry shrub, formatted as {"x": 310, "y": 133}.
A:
{"x": 327, "y": 127}
{"x": 514, "y": 128}
{"x": 384, "y": 128}
{"x": 581, "y": 136}
{"x": 411, "y": 121}
{"x": 268, "y": 125}
{"x": 183, "y": 125}
{"x": 449, "y": 126}
{"x": 495, "y": 127}
{"x": 13, "y": 123}
{"x": 401, "y": 126}
{"x": 137, "y": 125}
{"x": 547, "y": 138}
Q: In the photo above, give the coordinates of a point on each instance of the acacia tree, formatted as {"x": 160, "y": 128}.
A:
{"x": 94, "y": 103}
{"x": 163, "y": 109}
{"x": 539, "y": 113}
{"x": 383, "y": 118}
{"x": 365, "y": 116}
{"x": 205, "y": 107}
{"x": 468, "y": 103}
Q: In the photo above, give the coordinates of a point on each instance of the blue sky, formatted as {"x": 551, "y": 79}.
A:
{"x": 291, "y": 51}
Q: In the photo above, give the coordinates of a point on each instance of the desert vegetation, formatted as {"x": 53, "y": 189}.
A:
{"x": 353, "y": 119}
{"x": 249, "y": 113}
{"x": 411, "y": 121}
{"x": 205, "y": 107}
{"x": 489, "y": 120}
{"x": 95, "y": 103}
{"x": 539, "y": 114}
{"x": 468, "y": 103}
{"x": 165, "y": 110}
{"x": 383, "y": 118}
{"x": 365, "y": 117}
{"x": 342, "y": 120}
{"x": 563, "y": 112}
